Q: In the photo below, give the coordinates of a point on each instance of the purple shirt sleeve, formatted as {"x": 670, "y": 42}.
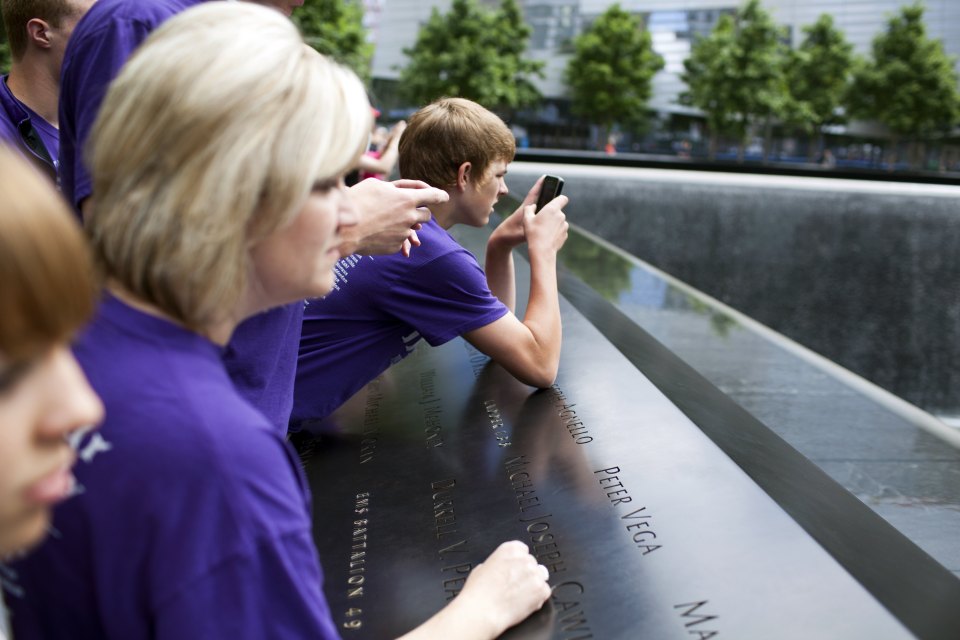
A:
{"x": 455, "y": 300}
{"x": 261, "y": 359}
{"x": 379, "y": 309}
{"x": 92, "y": 61}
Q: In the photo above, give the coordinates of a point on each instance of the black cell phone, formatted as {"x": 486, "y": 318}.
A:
{"x": 550, "y": 189}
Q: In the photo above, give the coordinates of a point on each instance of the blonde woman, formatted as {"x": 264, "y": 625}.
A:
{"x": 261, "y": 357}
{"x": 47, "y": 294}
{"x": 218, "y": 166}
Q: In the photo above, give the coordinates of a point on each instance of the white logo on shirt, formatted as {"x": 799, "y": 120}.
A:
{"x": 409, "y": 344}
{"x": 97, "y": 444}
{"x": 343, "y": 267}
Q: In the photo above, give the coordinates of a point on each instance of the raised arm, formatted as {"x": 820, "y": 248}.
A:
{"x": 501, "y": 277}
{"x": 500, "y": 592}
{"x": 528, "y": 349}
{"x": 388, "y": 156}
{"x": 390, "y": 213}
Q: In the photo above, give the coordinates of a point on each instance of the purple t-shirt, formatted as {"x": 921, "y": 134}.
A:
{"x": 100, "y": 44}
{"x": 11, "y": 113}
{"x": 192, "y": 521}
{"x": 262, "y": 361}
{"x": 262, "y": 355}
{"x": 48, "y": 134}
{"x": 27, "y": 132}
{"x": 379, "y": 309}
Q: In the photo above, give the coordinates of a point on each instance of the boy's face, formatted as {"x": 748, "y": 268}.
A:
{"x": 40, "y": 406}
{"x": 482, "y": 194}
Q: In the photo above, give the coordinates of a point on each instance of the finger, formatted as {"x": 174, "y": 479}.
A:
{"x": 406, "y": 183}
{"x": 423, "y": 214}
{"x": 429, "y": 195}
{"x": 514, "y": 547}
{"x": 405, "y": 248}
{"x": 543, "y": 571}
{"x": 413, "y": 238}
{"x": 558, "y": 203}
{"x": 534, "y": 192}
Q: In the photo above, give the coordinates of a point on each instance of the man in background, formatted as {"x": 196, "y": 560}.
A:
{"x": 38, "y": 31}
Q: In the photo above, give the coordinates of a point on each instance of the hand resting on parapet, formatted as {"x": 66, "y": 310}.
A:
{"x": 500, "y": 592}
{"x": 389, "y": 215}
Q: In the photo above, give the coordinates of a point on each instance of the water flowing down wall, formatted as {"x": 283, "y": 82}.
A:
{"x": 864, "y": 273}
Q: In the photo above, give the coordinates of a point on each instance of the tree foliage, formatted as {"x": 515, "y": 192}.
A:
{"x": 612, "y": 69}
{"x": 818, "y": 73}
{"x": 5, "y": 58}
{"x": 735, "y": 75}
{"x": 910, "y": 83}
{"x": 335, "y": 29}
{"x": 472, "y": 53}
{"x": 510, "y": 34}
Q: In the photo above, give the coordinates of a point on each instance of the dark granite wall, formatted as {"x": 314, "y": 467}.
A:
{"x": 866, "y": 274}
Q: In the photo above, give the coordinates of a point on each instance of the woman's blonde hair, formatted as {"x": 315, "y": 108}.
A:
{"x": 209, "y": 140}
{"x": 47, "y": 284}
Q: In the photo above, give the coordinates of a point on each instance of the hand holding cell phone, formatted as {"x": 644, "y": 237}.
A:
{"x": 550, "y": 189}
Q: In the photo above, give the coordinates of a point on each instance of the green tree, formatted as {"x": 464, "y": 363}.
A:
{"x": 736, "y": 74}
{"x": 611, "y": 71}
{"x": 510, "y": 35}
{"x": 909, "y": 84}
{"x": 335, "y": 29}
{"x": 4, "y": 52}
{"x": 818, "y": 73}
{"x": 472, "y": 53}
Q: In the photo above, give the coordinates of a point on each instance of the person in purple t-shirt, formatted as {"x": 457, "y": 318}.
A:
{"x": 47, "y": 295}
{"x": 381, "y": 308}
{"x": 38, "y": 33}
{"x": 218, "y": 165}
{"x": 261, "y": 357}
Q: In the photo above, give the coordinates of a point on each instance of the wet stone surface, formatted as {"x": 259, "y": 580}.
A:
{"x": 648, "y": 528}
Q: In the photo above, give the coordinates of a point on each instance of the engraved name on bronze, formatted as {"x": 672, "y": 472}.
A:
{"x": 571, "y": 422}
{"x": 571, "y": 618}
{"x": 545, "y": 547}
{"x": 430, "y": 405}
{"x": 356, "y": 575}
{"x": 500, "y": 431}
{"x": 638, "y": 521}
{"x": 543, "y": 542}
{"x": 371, "y": 422}
{"x": 478, "y": 360}
{"x": 452, "y": 553}
{"x": 444, "y": 515}
{"x": 692, "y": 617}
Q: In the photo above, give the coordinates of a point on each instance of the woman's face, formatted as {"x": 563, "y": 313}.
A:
{"x": 297, "y": 261}
{"x": 39, "y": 406}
